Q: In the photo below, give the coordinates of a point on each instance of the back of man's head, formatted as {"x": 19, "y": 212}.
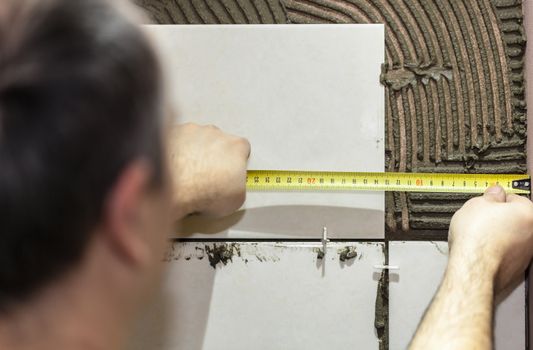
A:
{"x": 79, "y": 100}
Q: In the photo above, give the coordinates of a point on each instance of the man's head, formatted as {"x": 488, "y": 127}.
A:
{"x": 81, "y": 151}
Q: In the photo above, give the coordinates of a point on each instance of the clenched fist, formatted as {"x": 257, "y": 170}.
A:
{"x": 208, "y": 169}
{"x": 495, "y": 230}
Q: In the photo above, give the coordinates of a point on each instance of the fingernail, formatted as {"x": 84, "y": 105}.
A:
{"x": 494, "y": 189}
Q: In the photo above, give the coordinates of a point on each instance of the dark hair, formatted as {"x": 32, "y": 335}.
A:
{"x": 79, "y": 100}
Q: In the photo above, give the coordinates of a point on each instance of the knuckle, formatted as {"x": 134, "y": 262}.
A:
{"x": 530, "y": 221}
{"x": 240, "y": 143}
{"x": 472, "y": 202}
{"x": 455, "y": 216}
{"x": 234, "y": 203}
{"x": 527, "y": 211}
{"x": 245, "y": 144}
{"x": 241, "y": 198}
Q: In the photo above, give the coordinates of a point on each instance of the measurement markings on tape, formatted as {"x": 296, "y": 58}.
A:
{"x": 277, "y": 180}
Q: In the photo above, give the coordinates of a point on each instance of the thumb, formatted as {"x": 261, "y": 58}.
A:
{"x": 495, "y": 193}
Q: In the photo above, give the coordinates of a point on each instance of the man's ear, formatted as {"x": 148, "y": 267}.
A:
{"x": 123, "y": 214}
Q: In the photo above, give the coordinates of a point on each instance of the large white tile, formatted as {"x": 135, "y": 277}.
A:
{"x": 269, "y": 296}
{"x": 411, "y": 288}
{"x": 307, "y": 97}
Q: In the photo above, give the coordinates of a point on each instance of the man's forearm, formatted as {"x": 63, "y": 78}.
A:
{"x": 460, "y": 316}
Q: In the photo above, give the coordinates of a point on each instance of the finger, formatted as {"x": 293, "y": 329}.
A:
{"x": 186, "y": 125}
{"x": 243, "y": 145}
{"x": 495, "y": 193}
{"x": 247, "y": 147}
{"x": 514, "y": 198}
{"x": 212, "y": 127}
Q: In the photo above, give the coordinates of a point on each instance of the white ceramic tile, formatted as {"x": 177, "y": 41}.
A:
{"x": 412, "y": 287}
{"x": 307, "y": 97}
{"x": 271, "y": 296}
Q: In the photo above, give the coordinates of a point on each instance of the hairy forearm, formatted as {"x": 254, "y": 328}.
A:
{"x": 460, "y": 316}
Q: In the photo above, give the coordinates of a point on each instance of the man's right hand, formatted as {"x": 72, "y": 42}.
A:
{"x": 491, "y": 245}
{"x": 495, "y": 230}
{"x": 208, "y": 169}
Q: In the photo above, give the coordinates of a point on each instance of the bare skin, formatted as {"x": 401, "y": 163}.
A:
{"x": 92, "y": 307}
{"x": 209, "y": 170}
{"x": 491, "y": 245}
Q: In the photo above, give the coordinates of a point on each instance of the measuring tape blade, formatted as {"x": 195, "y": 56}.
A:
{"x": 281, "y": 180}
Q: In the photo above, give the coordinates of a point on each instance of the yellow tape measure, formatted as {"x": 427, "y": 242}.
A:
{"x": 277, "y": 180}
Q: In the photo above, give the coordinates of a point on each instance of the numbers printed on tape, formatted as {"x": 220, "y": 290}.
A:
{"x": 277, "y": 180}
